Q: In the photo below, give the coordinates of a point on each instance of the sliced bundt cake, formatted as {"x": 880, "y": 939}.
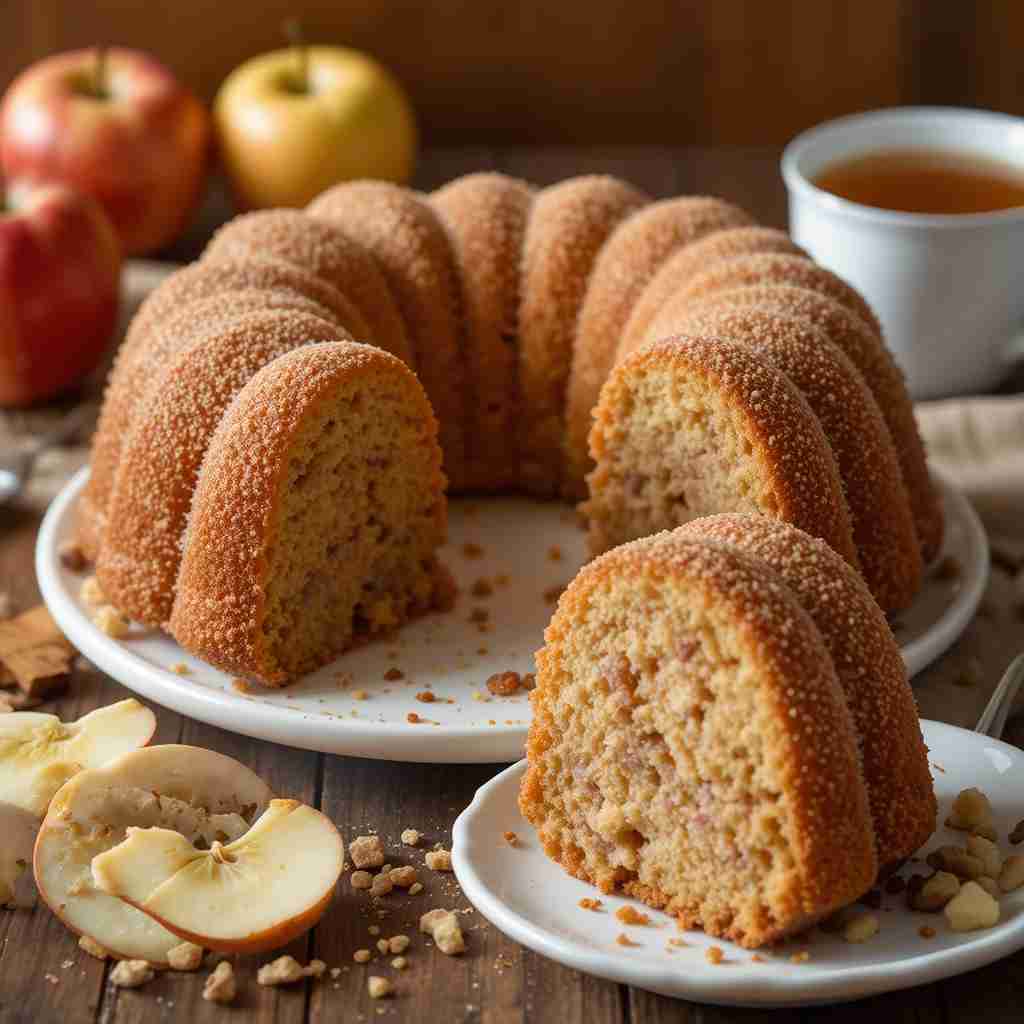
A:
{"x": 691, "y": 744}
{"x": 691, "y": 426}
{"x": 868, "y": 665}
{"x": 317, "y": 515}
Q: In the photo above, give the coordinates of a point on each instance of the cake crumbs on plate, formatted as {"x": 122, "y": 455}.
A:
{"x": 362, "y": 956}
{"x": 504, "y": 684}
{"x": 179, "y": 668}
{"x": 800, "y": 958}
{"x": 426, "y": 696}
{"x": 479, "y": 614}
{"x": 630, "y": 915}
{"x": 553, "y": 593}
{"x": 220, "y": 984}
{"x": 394, "y": 674}
{"x": 472, "y": 550}
{"x": 360, "y": 695}
{"x": 622, "y": 939}
{"x": 410, "y": 837}
{"x": 926, "y": 931}
{"x": 714, "y": 954}
{"x": 589, "y": 903}
{"x": 241, "y": 686}
{"x": 555, "y": 553}
{"x": 482, "y": 588}
{"x": 439, "y": 860}
{"x": 511, "y": 838}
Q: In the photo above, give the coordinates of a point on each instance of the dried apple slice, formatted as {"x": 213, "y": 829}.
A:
{"x": 206, "y": 796}
{"x": 17, "y": 834}
{"x": 39, "y": 753}
{"x": 254, "y": 894}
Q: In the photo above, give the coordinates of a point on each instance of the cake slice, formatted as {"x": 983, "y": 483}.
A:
{"x": 317, "y": 515}
{"x": 691, "y": 745}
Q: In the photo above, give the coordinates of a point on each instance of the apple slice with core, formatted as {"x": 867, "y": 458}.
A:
{"x": 39, "y": 753}
{"x": 254, "y": 894}
{"x": 205, "y": 796}
{"x": 17, "y": 834}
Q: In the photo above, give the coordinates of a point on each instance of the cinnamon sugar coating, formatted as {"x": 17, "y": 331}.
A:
{"x": 413, "y": 250}
{"x": 569, "y": 223}
{"x": 161, "y": 459}
{"x": 689, "y": 263}
{"x": 324, "y": 249}
{"x": 690, "y": 426}
{"x": 167, "y": 319}
{"x": 869, "y": 667}
{"x": 633, "y": 254}
{"x": 486, "y": 216}
{"x": 317, "y": 517}
{"x": 691, "y": 745}
{"x": 881, "y": 374}
{"x": 880, "y": 516}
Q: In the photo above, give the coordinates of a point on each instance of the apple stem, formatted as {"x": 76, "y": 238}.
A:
{"x": 293, "y": 29}
{"x": 99, "y": 81}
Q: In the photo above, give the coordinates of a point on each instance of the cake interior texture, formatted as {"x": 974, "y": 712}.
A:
{"x": 662, "y": 761}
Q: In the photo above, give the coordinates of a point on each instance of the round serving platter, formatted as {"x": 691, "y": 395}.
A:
{"x": 422, "y": 694}
{"x": 533, "y": 901}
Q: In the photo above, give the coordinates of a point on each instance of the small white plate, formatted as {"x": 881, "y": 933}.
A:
{"x": 448, "y": 654}
{"x": 533, "y": 901}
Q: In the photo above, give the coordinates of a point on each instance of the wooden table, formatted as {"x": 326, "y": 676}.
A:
{"x": 44, "y": 977}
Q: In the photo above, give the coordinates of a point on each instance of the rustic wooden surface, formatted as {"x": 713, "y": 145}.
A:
{"x": 497, "y": 982}
{"x": 587, "y": 71}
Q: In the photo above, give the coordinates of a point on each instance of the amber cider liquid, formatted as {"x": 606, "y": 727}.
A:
{"x": 925, "y": 181}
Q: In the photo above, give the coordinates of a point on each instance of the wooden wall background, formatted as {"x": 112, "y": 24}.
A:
{"x": 587, "y": 71}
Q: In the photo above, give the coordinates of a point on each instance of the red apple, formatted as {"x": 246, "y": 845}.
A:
{"x": 117, "y": 125}
{"x": 60, "y": 264}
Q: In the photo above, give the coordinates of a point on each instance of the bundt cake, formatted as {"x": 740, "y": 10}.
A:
{"x": 690, "y": 426}
{"x": 691, "y": 744}
{"x": 633, "y": 254}
{"x": 317, "y": 516}
{"x": 868, "y": 665}
{"x": 532, "y": 320}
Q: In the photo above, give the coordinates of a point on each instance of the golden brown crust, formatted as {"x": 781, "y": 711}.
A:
{"x": 881, "y": 374}
{"x": 785, "y": 438}
{"x": 812, "y": 741}
{"x": 486, "y": 217}
{"x": 220, "y": 603}
{"x": 779, "y": 268}
{"x": 568, "y": 225}
{"x": 147, "y": 343}
{"x": 868, "y": 664}
{"x": 634, "y": 252}
{"x": 412, "y": 249}
{"x": 689, "y": 263}
{"x": 322, "y": 248}
{"x": 160, "y": 462}
{"x": 880, "y": 517}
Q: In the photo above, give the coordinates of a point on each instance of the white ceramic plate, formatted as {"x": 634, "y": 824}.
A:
{"x": 447, "y": 654}
{"x": 533, "y": 901}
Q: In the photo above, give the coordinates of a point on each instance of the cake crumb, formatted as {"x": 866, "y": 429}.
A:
{"x": 415, "y": 889}
{"x": 504, "y": 684}
{"x": 553, "y": 593}
{"x": 511, "y": 838}
{"x": 443, "y": 927}
{"x": 108, "y": 620}
{"x": 630, "y": 915}
{"x": 403, "y": 876}
{"x": 426, "y": 696}
{"x": 366, "y": 852}
{"x": 479, "y": 615}
{"x": 361, "y": 880}
{"x": 555, "y": 553}
{"x": 926, "y": 932}
{"x": 285, "y": 970}
{"x": 588, "y": 903}
{"x": 800, "y": 958}
{"x": 360, "y": 695}
{"x": 378, "y": 987}
{"x": 91, "y": 593}
{"x": 471, "y": 550}
{"x": 382, "y": 884}
{"x": 758, "y": 959}
{"x": 413, "y": 719}
{"x": 241, "y": 686}
{"x": 179, "y": 668}
{"x": 131, "y": 973}
{"x": 714, "y": 954}
{"x": 399, "y": 963}
{"x": 382, "y": 945}
{"x": 71, "y": 556}
{"x": 362, "y": 956}
{"x": 399, "y": 943}
{"x": 481, "y": 588}
{"x": 92, "y": 947}
{"x": 439, "y": 860}
{"x": 394, "y": 674}
{"x": 186, "y": 956}
{"x": 410, "y": 837}
{"x": 860, "y": 928}
{"x": 622, "y": 939}
{"x": 220, "y": 984}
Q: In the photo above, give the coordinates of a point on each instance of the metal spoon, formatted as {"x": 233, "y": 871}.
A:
{"x": 16, "y": 466}
{"x": 993, "y": 718}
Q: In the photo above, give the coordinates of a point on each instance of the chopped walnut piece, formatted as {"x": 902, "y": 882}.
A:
{"x": 220, "y": 984}
{"x": 382, "y": 945}
{"x": 956, "y": 860}
{"x": 285, "y": 970}
{"x": 92, "y": 947}
{"x": 504, "y": 684}
{"x": 316, "y": 968}
{"x": 185, "y": 957}
{"x": 131, "y": 973}
{"x": 366, "y": 852}
{"x": 399, "y": 943}
{"x": 91, "y": 593}
{"x": 378, "y": 987}
{"x": 630, "y": 915}
{"x": 399, "y": 963}
{"x": 1017, "y": 835}
{"x": 1011, "y": 876}
{"x": 588, "y": 903}
{"x": 426, "y": 696}
{"x": 971, "y": 808}
{"x": 971, "y": 909}
{"x": 362, "y": 956}
{"x": 860, "y": 928}
{"x": 990, "y": 885}
{"x": 394, "y": 674}
{"x": 443, "y": 927}
{"x": 108, "y": 620}
{"x": 511, "y": 838}
{"x": 404, "y": 876}
{"x": 988, "y": 853}
{"x": 382, "y": 884}
{"x": 439, "y": 860}
{"x": 361, "y": 880}
{"x": 71, "y": 556}
{"x": 410, "y": 837}
{"x": 714, "y": 954}
{"x": 936, "y": 892}
{"x": 926, "y": 932}
{"x": 415, "y": 889}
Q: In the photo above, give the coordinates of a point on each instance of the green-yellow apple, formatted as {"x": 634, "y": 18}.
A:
{"x": 296, "y": 121}
{"x": 118, "y": 125}
{"x": 60, "y": 264}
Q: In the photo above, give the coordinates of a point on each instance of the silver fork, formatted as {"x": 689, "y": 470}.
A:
{"x": 993, "y": 718}
{"x": 16, "y": 466}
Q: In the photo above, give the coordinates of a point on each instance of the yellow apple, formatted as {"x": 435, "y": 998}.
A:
{"x": 293, "y": 122}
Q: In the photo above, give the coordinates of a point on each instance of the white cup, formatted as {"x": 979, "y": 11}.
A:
{"x": 948, "y": 288}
